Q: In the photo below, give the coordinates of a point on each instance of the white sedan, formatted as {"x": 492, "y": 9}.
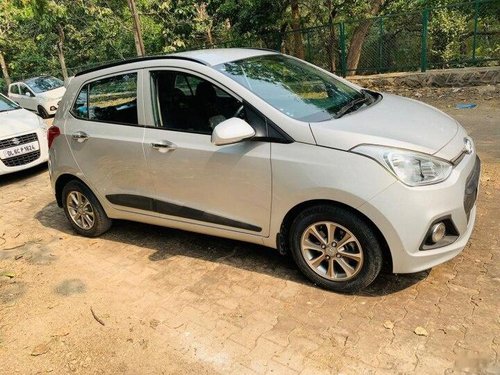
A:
{"x": 23, "y": 140}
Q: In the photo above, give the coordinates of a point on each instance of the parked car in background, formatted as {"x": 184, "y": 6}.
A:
{"x": 23, "y": 138}
{"x": 262, "y": 147}
{"x": 39, "y": 94}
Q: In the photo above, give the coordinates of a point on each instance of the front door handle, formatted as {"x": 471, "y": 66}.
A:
{"x": 164, "y": 146}
{"x": 80, "y": 137}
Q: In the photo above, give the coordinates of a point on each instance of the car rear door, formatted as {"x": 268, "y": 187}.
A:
{"x": 105, "y": 133}
{"x": 27, "y": 98}
{"x": 225, "y": 187}
{"x": 14, "y": 93}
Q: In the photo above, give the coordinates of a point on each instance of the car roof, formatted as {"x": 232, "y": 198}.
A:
{"x": 29, "y": 79}
{"x": 216, "y": 56}
{"x": 209, "y": 57}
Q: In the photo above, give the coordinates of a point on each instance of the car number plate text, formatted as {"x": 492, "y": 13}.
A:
{"x": 19, "y": 150}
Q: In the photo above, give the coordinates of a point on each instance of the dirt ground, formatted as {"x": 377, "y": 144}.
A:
{"x": 144, "y": 299}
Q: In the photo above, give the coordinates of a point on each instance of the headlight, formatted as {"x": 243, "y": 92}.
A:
{"x": 411, "y": 168}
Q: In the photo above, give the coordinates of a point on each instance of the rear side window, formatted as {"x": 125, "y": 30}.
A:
{"x": 14, "y": 89}
{"x": 111, "y": 100}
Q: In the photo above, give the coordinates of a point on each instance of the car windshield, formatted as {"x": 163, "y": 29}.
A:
{"x": 297, "y": 89}
{"x": 42, "y": 84}
{"x": 7, "y": 104}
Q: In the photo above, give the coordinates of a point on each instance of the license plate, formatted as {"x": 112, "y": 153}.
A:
{"x": 19, "y": 150}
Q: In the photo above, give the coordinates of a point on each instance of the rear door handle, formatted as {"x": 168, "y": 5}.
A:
{"x": 80, "y": 137}
{"x": 164, "y": 146}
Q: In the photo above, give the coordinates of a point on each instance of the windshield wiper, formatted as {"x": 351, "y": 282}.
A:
{"x": 352, "y": 104}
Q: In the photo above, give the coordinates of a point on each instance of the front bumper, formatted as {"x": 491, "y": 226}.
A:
{"x": 27, "y": 161}
{"x": 404, "y": 215}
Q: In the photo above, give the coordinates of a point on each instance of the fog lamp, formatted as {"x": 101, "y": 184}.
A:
{"x": 438, "y": 231}
{"x": 53, "y": 108}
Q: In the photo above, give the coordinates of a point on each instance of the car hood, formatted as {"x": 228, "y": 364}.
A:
{"x": 53, "y": 94}
{"x": 394, "y": 121}
{"x": 17, "y": 122}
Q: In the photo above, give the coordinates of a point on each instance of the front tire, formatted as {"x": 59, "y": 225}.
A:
{"x": 42, "y": 112}
{"x": 83, "y": 210}
{"x": 335, "y": 248}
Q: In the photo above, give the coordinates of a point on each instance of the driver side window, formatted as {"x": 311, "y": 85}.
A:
{"x": 185, "y": 102}
{"x": 25, "y": 90}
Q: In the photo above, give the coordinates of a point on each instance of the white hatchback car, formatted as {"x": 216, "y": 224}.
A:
{"x": 261, "y": 147}
{"x": 23, "y": 140}
{"x": 40, "y": 94}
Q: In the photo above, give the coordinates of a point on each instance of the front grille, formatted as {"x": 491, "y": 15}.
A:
{"x": 21, "y": 139}
{"x": 471, "y": 186}
{"x": 21, "y": 159}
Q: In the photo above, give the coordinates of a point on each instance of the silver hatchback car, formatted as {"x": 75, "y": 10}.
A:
{"x": 262, "y": 147}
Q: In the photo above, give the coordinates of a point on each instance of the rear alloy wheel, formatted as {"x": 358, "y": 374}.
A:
{"x": 335, "y": 248}
{"x": 83, "y": 210}
{"x": 80, "y": 210}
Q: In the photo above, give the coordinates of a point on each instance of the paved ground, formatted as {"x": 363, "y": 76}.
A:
{"x": 176, "y": 302}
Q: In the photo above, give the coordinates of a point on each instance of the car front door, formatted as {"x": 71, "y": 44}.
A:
{"x": 225, "y": 187}
{"x": 104, "y": 129}
{"x": 27, "y": 98}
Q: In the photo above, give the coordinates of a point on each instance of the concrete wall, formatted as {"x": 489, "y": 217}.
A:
{"x": 434, "y": 78}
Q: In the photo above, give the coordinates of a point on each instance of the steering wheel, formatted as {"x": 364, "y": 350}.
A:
{"x": 239, "y": 111}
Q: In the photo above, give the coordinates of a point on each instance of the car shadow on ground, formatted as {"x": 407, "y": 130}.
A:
{"x": 165, "y": 243}
{"x": 14, "y": 177}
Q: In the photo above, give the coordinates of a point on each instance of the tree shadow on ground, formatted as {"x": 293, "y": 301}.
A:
{"x": 165, "y": 243}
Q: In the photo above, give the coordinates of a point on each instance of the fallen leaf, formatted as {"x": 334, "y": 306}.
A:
{"x": 420, "y": 331}
{"x": 40, "y": 349}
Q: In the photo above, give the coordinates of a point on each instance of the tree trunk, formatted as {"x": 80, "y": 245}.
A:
{"x": 139, "y": 43}
{"x": 5, "y": 70}
{"x": 330, "y": 45}
{"x": 297, "y": 35}
{"x": 209, "y": 35}
{"x": 60, "y": 52}
{"x": 359, "y": 36}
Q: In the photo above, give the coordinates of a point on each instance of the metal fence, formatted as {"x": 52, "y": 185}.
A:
{"x": 458, "y": 35}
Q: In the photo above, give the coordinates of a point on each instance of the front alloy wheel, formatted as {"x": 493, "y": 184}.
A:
{"x": 332, "y": 251}
{"x": 336, "y": 248}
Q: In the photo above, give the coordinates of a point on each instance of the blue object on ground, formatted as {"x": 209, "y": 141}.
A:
{"x": 466, "y": 106}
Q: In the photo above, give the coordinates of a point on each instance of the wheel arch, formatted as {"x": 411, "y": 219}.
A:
{"x": 282, "y": 237}
{"x": 62, "y": 181}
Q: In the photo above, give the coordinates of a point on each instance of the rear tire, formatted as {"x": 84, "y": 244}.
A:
{"x": 335, "y": 248}
{"x": 83, "y": 210}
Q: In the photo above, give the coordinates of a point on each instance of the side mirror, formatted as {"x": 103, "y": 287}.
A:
{"x": 232, "y": 130}
{"x": 29, "y": 94}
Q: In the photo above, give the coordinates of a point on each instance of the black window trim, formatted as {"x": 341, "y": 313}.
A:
{"x": 89, "y": 81}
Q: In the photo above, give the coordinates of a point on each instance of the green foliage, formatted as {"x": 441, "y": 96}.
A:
{"x": 96, "y": 31}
